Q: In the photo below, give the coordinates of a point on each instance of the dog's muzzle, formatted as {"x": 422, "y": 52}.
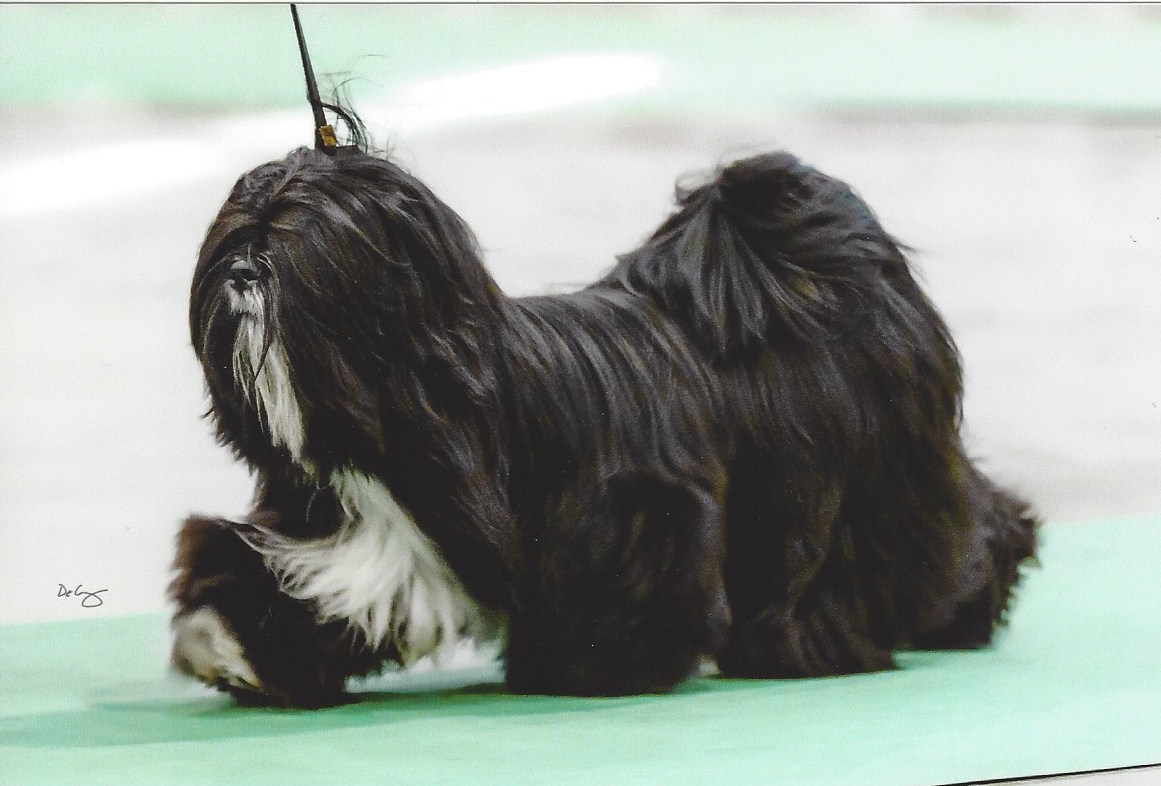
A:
{"x": 243, "y": 275}
{"x": 243, "y": 288}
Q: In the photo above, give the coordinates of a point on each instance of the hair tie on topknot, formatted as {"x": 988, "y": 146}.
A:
{"x": 324, "y": 134}
{"x": 325, "y": 138}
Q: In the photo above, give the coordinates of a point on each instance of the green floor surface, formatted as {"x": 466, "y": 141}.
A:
{"x": 1074, "y": 684}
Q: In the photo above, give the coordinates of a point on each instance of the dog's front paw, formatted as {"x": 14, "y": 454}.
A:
{"x": 236, "y": 630}
{"x": 206, "y": 648}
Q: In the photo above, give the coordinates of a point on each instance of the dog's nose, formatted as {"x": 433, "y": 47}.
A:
{"x": 243, "y": 274}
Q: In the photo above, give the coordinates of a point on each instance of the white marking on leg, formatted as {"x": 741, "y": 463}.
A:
{"x": 204, "y": 647}
{"x": 465, "y": 662}
{"x": 380, "y": 574}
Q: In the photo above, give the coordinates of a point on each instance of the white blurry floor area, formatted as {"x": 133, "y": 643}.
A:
{"x": 1038, "y": 238}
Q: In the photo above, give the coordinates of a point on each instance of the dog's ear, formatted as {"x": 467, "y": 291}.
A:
{"x": 342, "y": 408}
{"x": 769, "y": 249}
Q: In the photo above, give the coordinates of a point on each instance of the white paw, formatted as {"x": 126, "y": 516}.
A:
{"x": 204, "y": 647}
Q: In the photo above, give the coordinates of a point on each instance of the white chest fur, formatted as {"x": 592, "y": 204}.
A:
{"x": 380, "y": 574}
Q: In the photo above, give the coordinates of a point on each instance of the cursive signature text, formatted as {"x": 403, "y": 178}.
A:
{"x": 90, "y": 599}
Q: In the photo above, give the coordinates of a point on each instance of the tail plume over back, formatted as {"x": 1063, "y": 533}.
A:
{"x": 766, "y": 250}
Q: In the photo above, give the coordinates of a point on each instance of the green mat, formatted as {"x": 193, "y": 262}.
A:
{"x": 1075, "y": 684}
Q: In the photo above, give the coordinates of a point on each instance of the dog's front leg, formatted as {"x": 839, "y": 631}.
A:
{"x": 236, "y": 630}
{"x": 626, "y": 594}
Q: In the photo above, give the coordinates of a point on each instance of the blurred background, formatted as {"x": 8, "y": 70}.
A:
{"x": 1016, "y": 148}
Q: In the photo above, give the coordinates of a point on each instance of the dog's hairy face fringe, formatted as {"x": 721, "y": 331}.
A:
{"x": 354, "y": 260}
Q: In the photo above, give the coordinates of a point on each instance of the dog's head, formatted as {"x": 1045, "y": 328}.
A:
{"x": 327, "y": 289}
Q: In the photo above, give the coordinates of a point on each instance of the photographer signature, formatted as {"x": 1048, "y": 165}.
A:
{"x": 89, "y": 599}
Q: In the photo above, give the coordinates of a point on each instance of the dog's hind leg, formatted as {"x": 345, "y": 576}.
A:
{"x": 821, "y": 586}
{"x": 626, "y": 593}
{"x": 1004, "y": 535}
{"x": 824, "y": 633}
{"x": 797, "y": 608}
{"x": 237, "y": 631}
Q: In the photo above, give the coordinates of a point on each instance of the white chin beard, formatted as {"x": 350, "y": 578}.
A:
{"x": 263, "y": 372}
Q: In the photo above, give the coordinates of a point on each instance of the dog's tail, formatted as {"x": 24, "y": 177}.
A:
{"x": 768, "y": 249}
{"x": 1011, "y": 530}
{"x": 1003, "y": 542}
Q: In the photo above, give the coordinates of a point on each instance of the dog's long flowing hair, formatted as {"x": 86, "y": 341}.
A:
{"x": 741, "y": 443}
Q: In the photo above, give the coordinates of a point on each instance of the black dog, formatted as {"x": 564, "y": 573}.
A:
{"x": 742, "y": 443}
